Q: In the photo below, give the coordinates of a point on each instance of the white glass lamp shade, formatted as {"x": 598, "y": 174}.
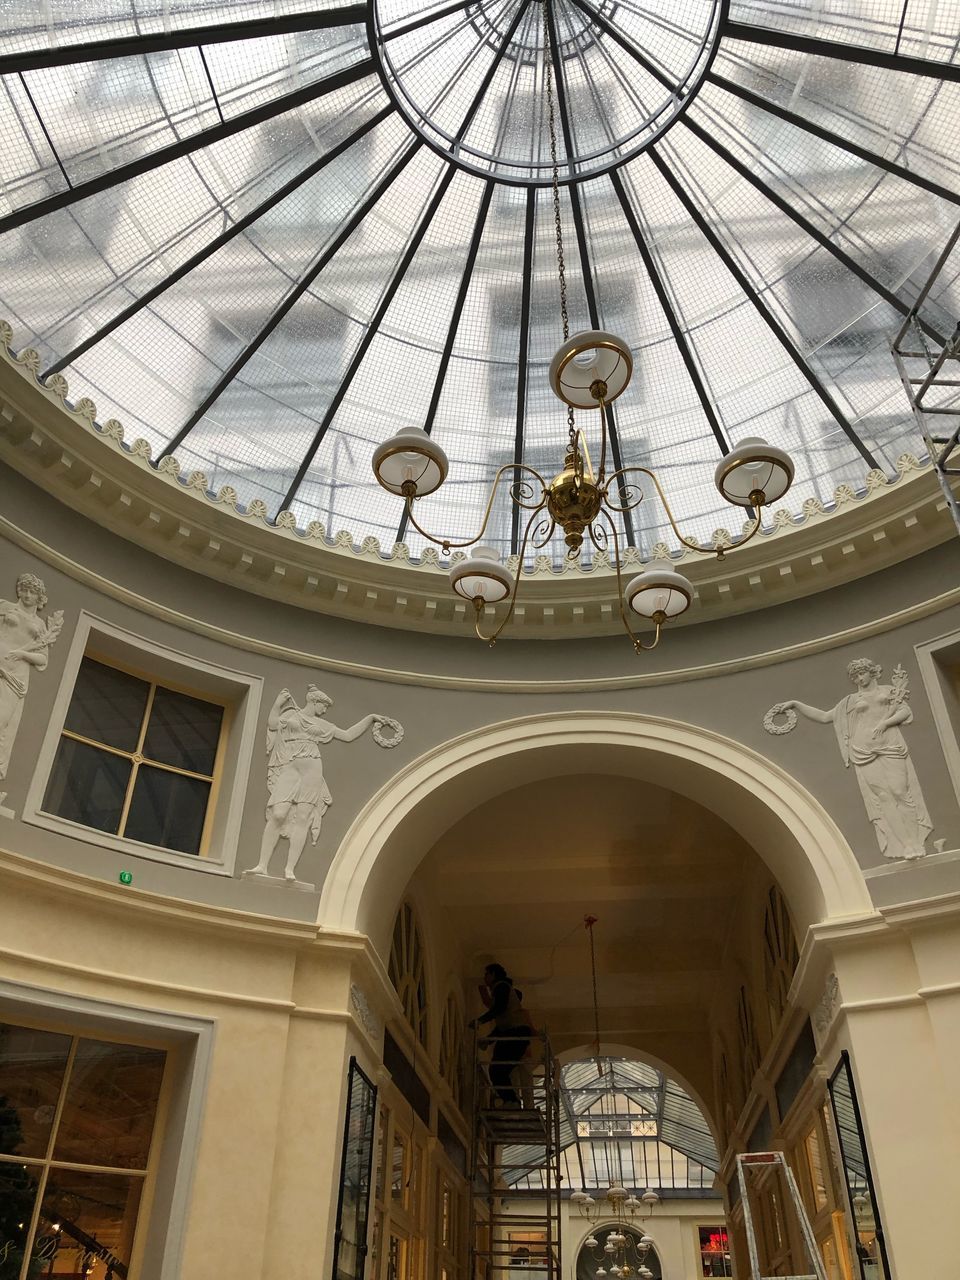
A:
{"x": 578, "y": 1197}
{"x": 586, "y": 359}
{"x": 591, "y": 1242}
{"x": 609, "y": 1247}
{"x": 650, "y": 1197}
{"x": 645, "y": 1243}
{"x": 616, "y": 1192}
{"x": 631, "y": 1203}
{"x": 410, "y": 458}
{"x": 482, "y": 577}
{"x": 645, "y": 1273}
{"x": 754, "y": 467}
{"x": 659, "y": 594}
{"x": 601, "y": 1272}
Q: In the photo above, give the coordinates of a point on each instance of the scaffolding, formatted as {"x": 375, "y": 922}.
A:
{"x": 514, "y": 1229}
{"x": 930, "y": 372}
{"x": 769, "y": 1170}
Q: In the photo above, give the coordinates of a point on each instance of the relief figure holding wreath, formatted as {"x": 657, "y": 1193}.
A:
{"x": 298, "y": 792}
{"x": 867, "y": 724}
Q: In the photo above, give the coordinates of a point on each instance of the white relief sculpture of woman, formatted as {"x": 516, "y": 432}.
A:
{"x": 867, "y": 725}
{"x": 24, "y": 642}
{"x": 299, "y": 795}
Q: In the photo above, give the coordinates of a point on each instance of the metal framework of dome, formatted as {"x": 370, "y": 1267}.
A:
{"x": 267, "y": 236}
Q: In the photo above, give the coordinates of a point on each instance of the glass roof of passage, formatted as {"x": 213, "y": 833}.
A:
{"x": 267, "y": 234}
{"x": 624, "y": 1121}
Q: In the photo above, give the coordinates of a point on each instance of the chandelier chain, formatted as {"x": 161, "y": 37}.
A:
{"x": 558, "y": 225}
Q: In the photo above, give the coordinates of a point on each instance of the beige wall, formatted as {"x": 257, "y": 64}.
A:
{"x": 264, "y": 1182}
{"x": 251, "y": 957}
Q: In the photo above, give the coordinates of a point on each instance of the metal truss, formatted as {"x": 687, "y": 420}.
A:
{"x": 930, "y": 372}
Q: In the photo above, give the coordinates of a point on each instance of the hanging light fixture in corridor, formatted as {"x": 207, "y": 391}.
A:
{"x": 589, "y": 371}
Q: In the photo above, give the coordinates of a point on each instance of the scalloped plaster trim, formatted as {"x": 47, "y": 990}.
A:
{"x": 432, "y": 680}
{"x": 159, "y": 509}
{"x": 84, "y": 412}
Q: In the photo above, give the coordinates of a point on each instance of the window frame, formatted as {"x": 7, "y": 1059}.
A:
{"x": 188, "y": 1041}
{"x": 939, "y": 663}
{"x": 138, "y": 759}
{"x": 728, "y": 1255}
{"x": 240, "y": 695}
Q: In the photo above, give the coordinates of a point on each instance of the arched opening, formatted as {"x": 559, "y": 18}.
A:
{"x": 802, "y": 846}
{"x": 703, "y": 865}
{"x": 593, "y": 1252}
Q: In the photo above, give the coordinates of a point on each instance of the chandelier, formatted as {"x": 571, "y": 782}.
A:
{"x": 589, "y": 372}
{"x": 623, "y": 1254}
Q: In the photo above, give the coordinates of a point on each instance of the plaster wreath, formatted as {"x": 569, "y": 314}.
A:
{"x": 387, "y": 722}
{"x": 780, "y": 709}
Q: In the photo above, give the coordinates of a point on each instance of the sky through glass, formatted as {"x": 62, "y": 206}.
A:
{"x": 266, "y": 236}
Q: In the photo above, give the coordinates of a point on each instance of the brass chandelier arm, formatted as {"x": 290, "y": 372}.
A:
{"x": 687, "y": 542}
{"x": 547, "y": 527}
{"x": 600, "y": 544}
{"x": 447, "y": 545}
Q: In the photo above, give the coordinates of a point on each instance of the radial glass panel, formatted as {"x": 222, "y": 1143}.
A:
{"x": 264, "y": 237}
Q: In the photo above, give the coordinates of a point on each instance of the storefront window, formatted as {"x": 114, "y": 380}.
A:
{"x": 77, "y": 1121}
{"x": 714, "y": 1252}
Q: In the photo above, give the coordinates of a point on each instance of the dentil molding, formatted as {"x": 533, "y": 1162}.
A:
{"x": 92, "y": 468}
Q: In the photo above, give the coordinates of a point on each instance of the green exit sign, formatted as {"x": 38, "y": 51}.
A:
{"x": 126, "y": 877}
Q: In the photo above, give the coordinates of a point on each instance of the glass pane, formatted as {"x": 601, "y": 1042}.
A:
{"x": 871, "y": 1254}
{"x": 107, "y": 705}
{"x": 32, "y": 1064}
{"x": 168, "y": 810}
{"x": 398, "y": 1176}
{"x": 352, "y": 1217}
{"x": 87, "y": 1221}
{"x": 816, "y": 1171}
{"x": 183, "y": 731}
{"x": 87, "y": 785}
{"x": 111, "y": 1105}
{"x": 18, "y": 1191}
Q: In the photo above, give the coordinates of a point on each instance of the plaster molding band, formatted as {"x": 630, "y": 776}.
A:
{"x": 431, "y": 680}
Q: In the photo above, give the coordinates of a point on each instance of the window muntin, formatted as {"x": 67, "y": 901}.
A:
{"x": 780, "y": 956}
{"x": 137, "y": 759}
{"x": 77, "y": 1120}
{"x": 451, "y": 1049}
{"x": 406, "y": 970}
{"x": 749, "y": 1044}
{"x": 715, "y": 1257}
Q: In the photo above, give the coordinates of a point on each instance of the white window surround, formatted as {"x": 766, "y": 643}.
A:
{"x": 240, "y": 692}
{"x": 190, "y": 1046}
{"x": 936, "y": 658}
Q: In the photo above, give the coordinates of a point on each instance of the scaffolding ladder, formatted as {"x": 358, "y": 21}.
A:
{"x": 930, "y": 373}
{"x": 762, "y": 1164}
{"x": 510, "y": 1144}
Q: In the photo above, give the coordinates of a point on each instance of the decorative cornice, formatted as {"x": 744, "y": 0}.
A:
{"x": 91, "y": 467}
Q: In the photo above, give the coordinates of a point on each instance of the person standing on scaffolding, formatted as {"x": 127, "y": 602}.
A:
{"x": 511, "y": 1032}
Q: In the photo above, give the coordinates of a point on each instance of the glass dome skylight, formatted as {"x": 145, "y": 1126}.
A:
{"x": 265, "y": 236}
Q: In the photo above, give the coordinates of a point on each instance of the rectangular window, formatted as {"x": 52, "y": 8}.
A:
{"x": 137, "y": 759}
{"x": 714, "y": 1251}
{"x": 77, "y": 1119}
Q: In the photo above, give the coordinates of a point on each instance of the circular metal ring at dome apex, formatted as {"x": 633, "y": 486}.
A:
{"x": 468, "y": 79}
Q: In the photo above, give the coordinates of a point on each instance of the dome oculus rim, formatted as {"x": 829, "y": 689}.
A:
{"x": 614, "y": 156}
